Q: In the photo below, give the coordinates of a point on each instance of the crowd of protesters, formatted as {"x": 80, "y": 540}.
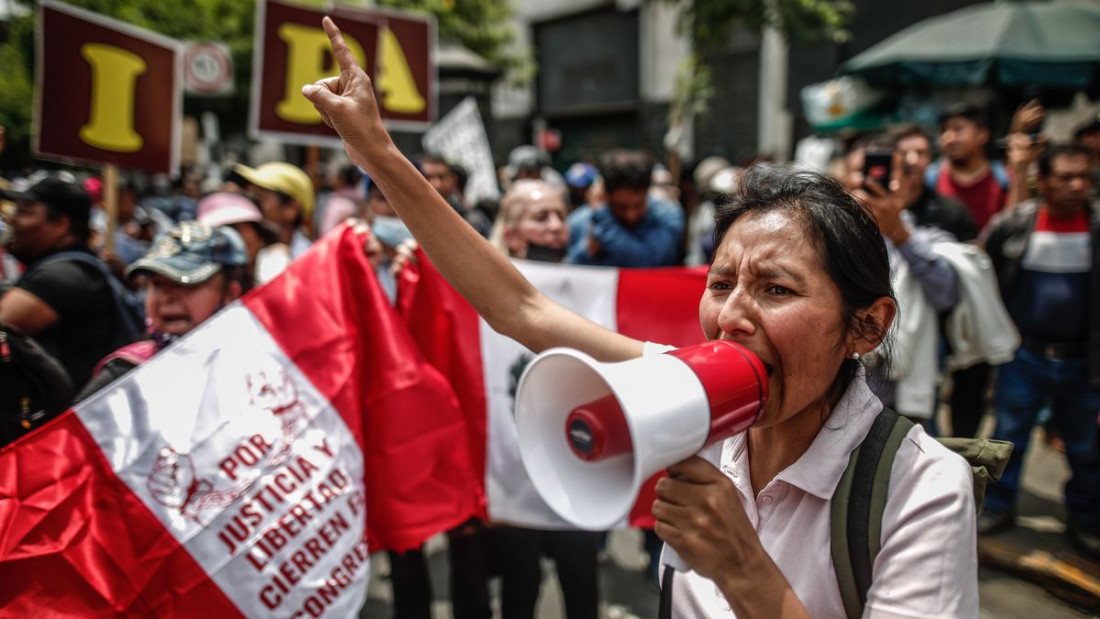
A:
{"x": 980, "y": 249}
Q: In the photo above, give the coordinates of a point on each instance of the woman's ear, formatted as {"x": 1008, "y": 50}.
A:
{"x": 875, "y": 321}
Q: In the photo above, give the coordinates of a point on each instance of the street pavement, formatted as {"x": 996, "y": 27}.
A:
{"x": 1029, "y": 571}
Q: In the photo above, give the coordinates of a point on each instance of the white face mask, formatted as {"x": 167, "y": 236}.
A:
{"x": 391, "y": 231}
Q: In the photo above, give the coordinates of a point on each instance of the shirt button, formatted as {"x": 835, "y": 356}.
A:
{"x": 767, "y": 499}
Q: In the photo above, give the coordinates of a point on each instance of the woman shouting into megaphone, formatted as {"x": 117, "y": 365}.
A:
{"x": 801, "y": 278}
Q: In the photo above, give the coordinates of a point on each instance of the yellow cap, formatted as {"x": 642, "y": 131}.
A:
{"x": 282, "y": 177}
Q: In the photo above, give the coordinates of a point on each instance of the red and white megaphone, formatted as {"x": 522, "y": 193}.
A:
{"x": 591, "y": 433}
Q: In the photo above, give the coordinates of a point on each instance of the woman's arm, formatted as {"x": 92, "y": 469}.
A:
{"x": 701, "y": 517}
{"x": 498, "y": 292}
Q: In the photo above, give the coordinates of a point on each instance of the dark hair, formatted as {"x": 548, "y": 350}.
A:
{"x": 625, "y": 169}
{"x": 1046, "y": 161}
{"x": 350, "y": 175}
{"x": 841, "y": 228}
{"x": 237, "y": 273}
{"x": 432, "y": 157}
{"x": 966, "y": 111}
{"x": 461, "y": 177}
{"x": 909, "y": 130}
{"x": 1090, "y": 127}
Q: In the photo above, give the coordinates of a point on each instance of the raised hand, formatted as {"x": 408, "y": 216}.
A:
{"x": 347, "y": 104}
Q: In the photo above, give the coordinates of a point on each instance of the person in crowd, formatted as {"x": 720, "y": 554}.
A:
{"x": 1023, "y": 145}
{"x": 1047, "y": 256}
{"x": 632, "y": 229}
{"x": 713, "y": 177}
{"x": 238, "y": 212}
{"x": 286, "y": 197}
{"x": 966, "y": 173}
{"x": 345, "y": 200}
{"x": 482, "y": 213}
{"x": 912, "y": 258}
{"x": 10, "y": 269}
{"x": 526, "y": 162}
{"x": 66, "y": 298}
{"x": 531, "y": 225}
{"x": 439, "y": 173}
{"x": 579, "y": 178}
{"x": 927, "y": 207}
{"x": 661, "y": 185}
{"x": 192, "y": 272}
{"x": 1088, "y": 135}
{"x": 801, "y": 278}
{"x": 442, "y": 176}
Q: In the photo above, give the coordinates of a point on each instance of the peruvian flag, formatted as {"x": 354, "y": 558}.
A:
{"x": 655, "y": 305}
{"x": 247, "y": 469}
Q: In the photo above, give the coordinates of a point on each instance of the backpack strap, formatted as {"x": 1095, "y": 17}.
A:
{"x": 133, "y": 329}
{"x": 857, "y": 506}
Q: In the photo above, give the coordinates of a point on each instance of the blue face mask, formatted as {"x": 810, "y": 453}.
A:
{"x": 390, "y": 231}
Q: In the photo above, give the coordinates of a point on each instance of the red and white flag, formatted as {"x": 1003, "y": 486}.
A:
{"x": 248, "y": 469}
{"x": 656, "y": 305}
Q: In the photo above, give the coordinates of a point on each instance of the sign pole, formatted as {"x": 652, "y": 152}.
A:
{"x": 110, "y": 203}
{"x": 313, "y": 169}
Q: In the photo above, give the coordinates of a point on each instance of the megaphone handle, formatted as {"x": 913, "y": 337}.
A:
{"x": 672, "y": 559}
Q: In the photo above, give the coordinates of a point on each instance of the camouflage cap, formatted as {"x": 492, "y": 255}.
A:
{"x": 192, "y": 253}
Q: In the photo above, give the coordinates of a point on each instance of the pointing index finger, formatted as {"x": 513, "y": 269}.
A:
{"x": 340, "y": 49}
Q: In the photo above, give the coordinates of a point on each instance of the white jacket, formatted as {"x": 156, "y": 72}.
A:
{"x": 979, "y": 328}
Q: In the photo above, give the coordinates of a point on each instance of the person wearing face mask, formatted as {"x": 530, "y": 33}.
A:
{"x": 531, "y": 226}
{"x": 192, "y": 272}
{"x": 800, "y": 278}
{"x": 390, "y": 233}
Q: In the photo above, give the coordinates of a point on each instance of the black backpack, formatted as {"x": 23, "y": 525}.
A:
{"x": 34, "y": 388}
{"x": 128, "y": 307}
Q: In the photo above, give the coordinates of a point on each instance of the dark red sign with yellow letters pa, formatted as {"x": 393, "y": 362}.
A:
{"x": 106, "y": 91}
{"x": 292, "y": 50}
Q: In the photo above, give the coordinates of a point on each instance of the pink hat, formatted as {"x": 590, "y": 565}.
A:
{"x": 224, "y": 209}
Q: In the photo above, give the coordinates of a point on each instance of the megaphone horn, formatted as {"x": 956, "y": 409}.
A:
{"x": 591, "y": 433}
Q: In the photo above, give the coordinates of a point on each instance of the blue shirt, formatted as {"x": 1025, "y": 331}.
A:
{"x": 654, "y": 242}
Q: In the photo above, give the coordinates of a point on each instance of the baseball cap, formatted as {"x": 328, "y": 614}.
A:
{"x": 223, "y": 209}
{"x": 525, "y": 157}
{"x": 581, "y": 175}
{"x": 192, "y": 253}
{"x": 281, "y": 177}
{"x": 59, "y": 190}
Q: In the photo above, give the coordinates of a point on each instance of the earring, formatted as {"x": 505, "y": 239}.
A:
{"x": 855, "y": 356}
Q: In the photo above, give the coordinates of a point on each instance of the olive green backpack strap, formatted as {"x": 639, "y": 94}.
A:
{"x": 857, "y": 506}
{"x": 860, "y": 498}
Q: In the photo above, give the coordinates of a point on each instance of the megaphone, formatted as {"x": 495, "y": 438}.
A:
{"x": 590, "y": 433}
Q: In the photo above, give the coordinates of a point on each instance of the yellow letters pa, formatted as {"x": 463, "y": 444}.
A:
{"x": 306, "y": 50}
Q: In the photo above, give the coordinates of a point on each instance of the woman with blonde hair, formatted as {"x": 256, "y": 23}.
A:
{"x": 531, "y": 222}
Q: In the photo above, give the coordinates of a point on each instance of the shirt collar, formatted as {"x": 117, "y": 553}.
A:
{"x": 819, "y": 470}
